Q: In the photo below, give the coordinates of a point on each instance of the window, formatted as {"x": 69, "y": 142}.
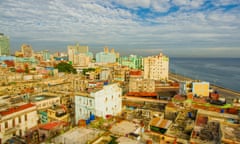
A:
{"x": 19, "y": 119}
{"x": 6, "y": 125}
{"x": 90, "y": 102}
{"x": 13, "y": 122}
{"x": 25, "y": 117}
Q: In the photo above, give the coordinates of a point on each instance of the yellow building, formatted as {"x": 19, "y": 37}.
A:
{"x": 156, "y": 67}
{"x": 57, "y": 113}
{"x": 73, "y": 49}
{"x": 26, "y": 50}
{"x": 200, "y": 88}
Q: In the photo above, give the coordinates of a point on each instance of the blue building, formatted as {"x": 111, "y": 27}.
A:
{"x": 106, "y": 56}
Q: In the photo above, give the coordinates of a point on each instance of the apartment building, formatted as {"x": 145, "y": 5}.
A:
{"x": 132, "y": 61}
{"x": 26, "y": 50}
{"x": 44, "y": 102}
{"x": 58, "y": 113}
{"x": 4, "y": 45}
{"x": 79, "y": 55}
{"x": 106, "y": 56}
{"x": 138, "y": 84}
{"x": 16, "y": 120}
{"x": 156, "y": 67}
{"x": 100, "y": 102}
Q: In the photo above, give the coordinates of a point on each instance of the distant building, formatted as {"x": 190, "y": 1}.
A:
{"x": 4, "y": 45}
{"x": 46, "y": 55}
{"x": 132, "y": 61}
{"x": 79, "y": 55}
{"x": 78, "y": 48}
{"x": 79, "y": 84}
{"x": 27, "y": 50}
{"x": 121, "y": 74}
{"x": 185, "y": 87}
{"x": 81, "y": 60}
{"x": 195, "y": 88}
{"x": 106, "y": 56}
{"x": 16, "y": 120}
{"x": 100, "y": 102}
{"x": 200, "y": 89}
{"x": 105, "y": 74}
{"x": 156, "y": 67}
{"x": 138, "y": 84}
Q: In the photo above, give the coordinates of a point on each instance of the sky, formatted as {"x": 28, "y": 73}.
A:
{"x": 178, "y": 28}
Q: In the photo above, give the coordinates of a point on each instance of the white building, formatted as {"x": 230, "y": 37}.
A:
{"x": 156, "y": 67}
{"x": 16, "y": 120}
{"x": 99, "y": 102}
{"x": 44, "y": 102}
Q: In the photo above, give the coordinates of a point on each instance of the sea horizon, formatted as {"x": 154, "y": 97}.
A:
{"x": 222, "y": 72}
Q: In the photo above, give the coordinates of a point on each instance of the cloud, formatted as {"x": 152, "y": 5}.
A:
{"x": 161, "y": 5}
{"x": 134, "y": 3}
{"x": 124, "y": 24}
{"x": 189, "y": 4}
{"x": 225, "y": 2}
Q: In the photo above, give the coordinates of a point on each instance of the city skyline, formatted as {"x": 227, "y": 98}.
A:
{"x": 179, "y": 28}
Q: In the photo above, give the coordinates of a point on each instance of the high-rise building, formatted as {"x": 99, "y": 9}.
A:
{"x": 79, "y": 48}
{"x": 46, "y": 55}
{"x": 106, "y": 56}
{"x": 26, "y": 50}
{"x": 156, "y": 67}
{"x": 79, "y": 55}
{"x": 132, "y": 61}
{"x": 81, "y": 60}
{"x": 4, "y": 45}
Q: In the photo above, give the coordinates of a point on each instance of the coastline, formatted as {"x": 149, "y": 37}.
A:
{"x": 224, "y": 92}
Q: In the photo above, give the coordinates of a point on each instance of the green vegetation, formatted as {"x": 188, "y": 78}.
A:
{"x": 88, "y": 70}
{"x": 114, "y": 140}
{"x": 65, "y": 67}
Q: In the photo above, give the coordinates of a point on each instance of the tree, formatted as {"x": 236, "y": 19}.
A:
{"x": 65, "y": 67}
{"x": 88, "y": 70}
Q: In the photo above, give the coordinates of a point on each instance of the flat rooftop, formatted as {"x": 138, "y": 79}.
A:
{"x": 123, "y": 128}
{"x": 41, "y": 98}
{"x": 78, "y": 136}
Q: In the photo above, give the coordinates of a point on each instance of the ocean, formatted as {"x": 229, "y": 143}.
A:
{"x": 224, "y": 72}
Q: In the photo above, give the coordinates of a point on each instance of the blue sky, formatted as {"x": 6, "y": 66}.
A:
{"x": 179, "y": 28}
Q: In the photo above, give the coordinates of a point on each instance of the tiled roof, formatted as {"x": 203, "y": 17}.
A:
{"x": 161, "y": 123}
{"x": 52, "y": 125}
{"x": 16, "y": 109}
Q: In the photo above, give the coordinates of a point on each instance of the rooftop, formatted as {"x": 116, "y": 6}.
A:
{"x": 230, "y": 133}
{"x": 41, "y": 98}
{"x": 123, "y": 128}
{"x": 78, "y": 136}
{"x": 52, "y": 125}
{"x": 16, "y": 109}
{"x": 161, "y": 123}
